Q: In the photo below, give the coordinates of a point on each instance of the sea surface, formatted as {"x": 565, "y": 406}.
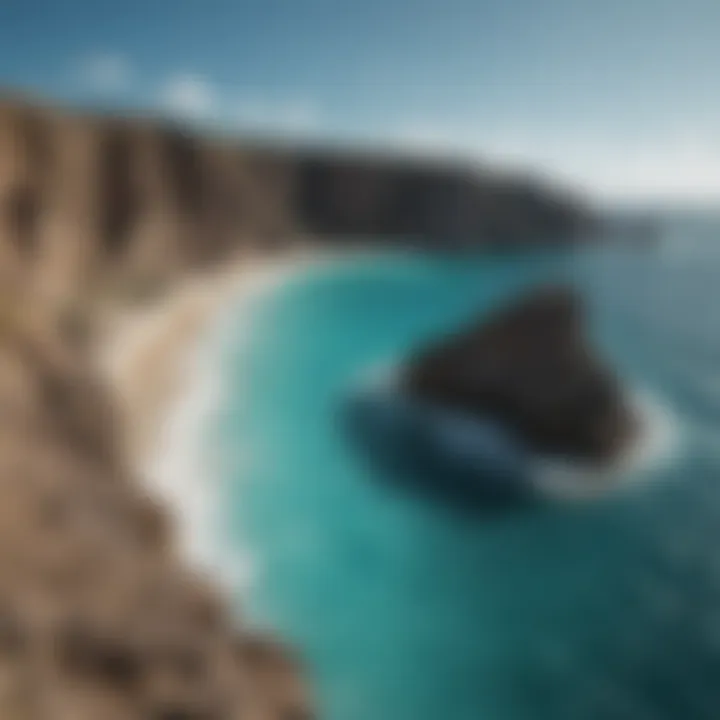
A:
{"x": 405, "y": 609}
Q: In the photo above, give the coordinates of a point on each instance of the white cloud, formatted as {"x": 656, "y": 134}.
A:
{"x": 277, "y": 116}
{"x": 194, "y": 97}
{"x": 190, "y": 96}
{"x": 105, "y": 73}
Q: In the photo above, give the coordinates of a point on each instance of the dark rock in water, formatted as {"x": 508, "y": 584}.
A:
{"x": 531, "y": 367}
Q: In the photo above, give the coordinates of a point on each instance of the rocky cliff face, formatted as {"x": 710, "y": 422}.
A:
{"x": 99, "y": 616}
{"x": 435, "y": 204}
{"x": 85, "y": 199}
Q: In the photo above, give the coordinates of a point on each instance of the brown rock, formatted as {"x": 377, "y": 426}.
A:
{"x": 99, "y": 616}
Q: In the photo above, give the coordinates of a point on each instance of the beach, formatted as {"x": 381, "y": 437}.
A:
{"x": 161, "y": 360}
{"x": 148, "y": 352}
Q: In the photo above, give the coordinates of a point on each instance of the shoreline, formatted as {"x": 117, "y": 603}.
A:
{"x": 147, "y": 353}
{"x": 160, "y": 360}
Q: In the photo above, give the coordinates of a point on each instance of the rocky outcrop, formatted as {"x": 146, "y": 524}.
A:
{"x": 530, "y": 367}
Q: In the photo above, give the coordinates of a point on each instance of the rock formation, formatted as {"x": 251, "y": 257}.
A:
{"x": 99, "y": 616}
{"x": 87, "y": 199}
{"x": 531, "y": 367}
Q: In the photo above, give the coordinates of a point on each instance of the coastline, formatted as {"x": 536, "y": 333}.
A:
{"x": 160, "y": 359}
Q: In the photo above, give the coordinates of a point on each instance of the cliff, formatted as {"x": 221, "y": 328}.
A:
{"x": 86, "y": 199}
{"x": 436, "y": 204}
{"x": 99, "y": 615}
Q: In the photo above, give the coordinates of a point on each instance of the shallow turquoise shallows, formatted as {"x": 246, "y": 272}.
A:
{"x": 407, "y": 609}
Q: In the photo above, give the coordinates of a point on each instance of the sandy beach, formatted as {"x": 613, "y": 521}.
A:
{"x": 160, "y": 359}
{"x": 148, "y": 352}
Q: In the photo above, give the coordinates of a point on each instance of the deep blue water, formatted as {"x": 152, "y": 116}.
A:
{"x": 406, "y": 610}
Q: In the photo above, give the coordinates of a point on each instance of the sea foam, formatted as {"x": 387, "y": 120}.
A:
{"x": 186, "y": 465}
{"x": 656, "y": 447}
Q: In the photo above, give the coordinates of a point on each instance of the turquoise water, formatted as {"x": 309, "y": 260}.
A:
{"x": 407, "y": 610}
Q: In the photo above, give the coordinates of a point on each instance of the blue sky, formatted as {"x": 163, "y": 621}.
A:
{"x": 619, "y": 95}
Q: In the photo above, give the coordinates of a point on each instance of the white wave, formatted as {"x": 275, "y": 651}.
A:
{"x": 657, "y": 446}
{"x": 182, "y": 469}
{"x": 186, "y": 467}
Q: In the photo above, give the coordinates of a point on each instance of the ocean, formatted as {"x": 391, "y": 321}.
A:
{"x": 406, "y": 609}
